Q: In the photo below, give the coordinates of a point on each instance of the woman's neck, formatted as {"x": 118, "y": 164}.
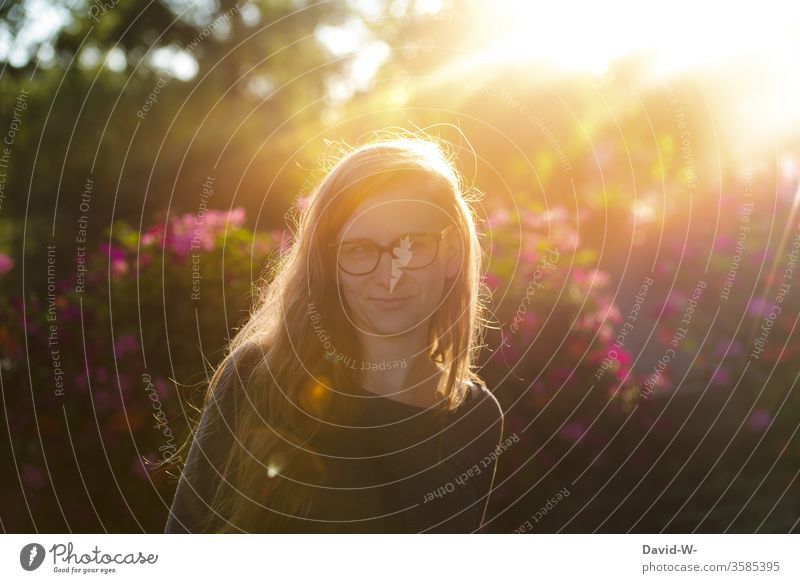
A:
{"x": 400, "y": 367}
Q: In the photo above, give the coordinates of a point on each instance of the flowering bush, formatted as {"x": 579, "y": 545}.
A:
{"x": 113, "y": 364}
{"x": 100, "y": 377}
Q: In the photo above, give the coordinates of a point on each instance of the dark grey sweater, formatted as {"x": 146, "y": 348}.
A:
{"x": 394, "y": 469}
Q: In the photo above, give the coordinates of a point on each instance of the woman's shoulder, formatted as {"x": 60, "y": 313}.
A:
{"x": 480, "y": 417}
{"x": 232, "y": 378}
{"x": 235, "y": 369}
{"x": 483, "y": 400}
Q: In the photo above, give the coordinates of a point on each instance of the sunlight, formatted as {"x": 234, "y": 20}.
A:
{"x": 644, "y": 211}
{"x": 747, "y": 55}
{"x": 589, "y": 36}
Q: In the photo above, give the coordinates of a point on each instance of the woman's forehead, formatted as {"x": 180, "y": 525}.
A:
{"x": 383, "y": 216}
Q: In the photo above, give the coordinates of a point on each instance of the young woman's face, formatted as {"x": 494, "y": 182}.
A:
{"x": 391, "y": 300}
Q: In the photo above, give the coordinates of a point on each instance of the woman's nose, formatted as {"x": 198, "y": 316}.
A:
{"x": 384, "y": 270}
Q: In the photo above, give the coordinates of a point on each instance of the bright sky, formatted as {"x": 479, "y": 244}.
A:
{"x": 753, "y": 46}
{"x": 583, "y": 36}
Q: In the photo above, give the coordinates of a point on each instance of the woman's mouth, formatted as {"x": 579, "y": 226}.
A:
{"x": 390, "y": 303}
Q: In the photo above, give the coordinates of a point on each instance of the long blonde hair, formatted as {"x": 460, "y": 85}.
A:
{"x": 284, "y": 384}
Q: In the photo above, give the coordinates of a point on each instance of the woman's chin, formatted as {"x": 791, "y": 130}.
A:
{"x": 394, "y": 324}
{"x": 393, "y": 328}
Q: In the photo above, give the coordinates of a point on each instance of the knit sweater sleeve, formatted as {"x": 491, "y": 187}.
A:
{"x": 488, "y": 446}
{"x": 212, "y": 441}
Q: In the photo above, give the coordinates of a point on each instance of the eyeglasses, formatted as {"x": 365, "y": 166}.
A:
{"x": 414, "y": 250}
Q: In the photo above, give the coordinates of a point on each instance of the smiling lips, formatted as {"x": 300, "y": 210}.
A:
{"x": 390, "y": 302}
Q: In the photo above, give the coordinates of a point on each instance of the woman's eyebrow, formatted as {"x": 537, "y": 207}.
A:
{"x": 356, "y": 240}
{"x": 400, "y": 236}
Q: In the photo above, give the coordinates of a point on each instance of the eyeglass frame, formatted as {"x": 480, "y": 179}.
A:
{"x": 438, "y": 236}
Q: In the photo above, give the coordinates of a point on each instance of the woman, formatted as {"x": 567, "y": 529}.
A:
{"x": 348, "y": 401}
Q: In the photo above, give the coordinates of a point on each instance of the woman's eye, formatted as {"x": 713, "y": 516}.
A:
{"x": 421, "y": 244}
{"x": 357, "y": 249}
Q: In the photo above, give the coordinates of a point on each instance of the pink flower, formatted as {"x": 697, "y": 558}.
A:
{"x": 538, "y": 388}
{"x": 529, "y": 322}
{"x": 138, "y": 467}
{"x": 573, "y": 430}
{"x": 758, "y": 256}
{"x": 125, "y": 344}
{"x": 598, "y": 278}
{"x": 610, "y": 309}
{"x": 236, "y": 216}
{"x": 605, "y": 333}
{"x": 664, "y": 336}
{"x": 675, "y": 302}
{"x": 119, "y": 264}
{"x": 757, "y": 307}
{"x": 80, "y": 382}
{"x": 491, "y": 280}
{"x": 212, "y": 219}
{"x": 531, "y": 245}
{"x": 6, "y": 263}
{"x": 498, "y": 218}
{"x": 723, "y": 242}
{"x": 114, "y": 252}
{"x": 217, "y": 220}
{"x": 532, "y": 219}
{"x": 161, "y": 388}
{"x": 566, "y": 239}
{"x": 735, "y": 348}
{"x": 759, "y": 420}
{"x": 182, "y": 231}
{"x": 154, "y": 234}
{"x": 70, "y": 313}
{"x": 190, "y": 232}
{"x": 722, "y": 377}
{"x": 556, "y": 213}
